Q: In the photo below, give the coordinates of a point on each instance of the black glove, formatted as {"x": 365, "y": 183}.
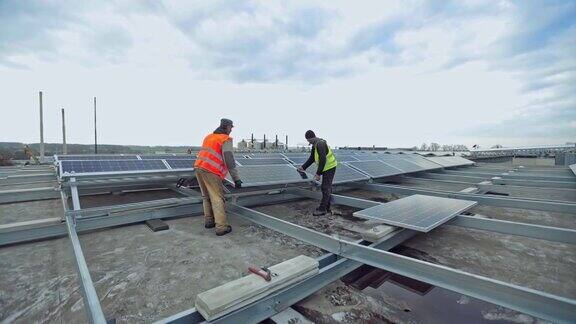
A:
{"x": 180, "y": 182}
{"x": 238, "y": 184}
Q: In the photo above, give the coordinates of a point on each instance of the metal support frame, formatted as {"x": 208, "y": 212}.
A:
{"x": 91, "y": 301}
{"x": 529, "y": 301}
{"x": 22, "y": 195}
{"x": 535, "y": 183}
{"x": 521, "y": 203}
{"x": 553, "y": 234}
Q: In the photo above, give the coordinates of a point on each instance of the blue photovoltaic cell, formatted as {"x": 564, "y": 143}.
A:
{"x": 421, "y": 161}
{"x": 181, "y": 163}
{"x": 417, "y": 212}
{"x": 96, "y": 157}
{"x": 261, "y": 161}
{"x": 111, "y": 166}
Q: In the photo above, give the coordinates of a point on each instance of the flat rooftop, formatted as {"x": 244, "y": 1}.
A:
{"x": 145, "y": 276}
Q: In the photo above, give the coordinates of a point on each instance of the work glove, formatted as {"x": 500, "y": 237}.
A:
{"x": 238, "y": 184}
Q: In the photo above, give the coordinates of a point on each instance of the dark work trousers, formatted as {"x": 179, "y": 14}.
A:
{"x": 327, "y": 178}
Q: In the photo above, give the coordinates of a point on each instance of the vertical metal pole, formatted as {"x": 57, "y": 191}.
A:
{"x": 64, "y": 146}
{"x": 286, "y": 142}
{"x": 264, "y": 145}
{"x": 41, "y": 130}
{"x": 95, "y": 130}
{"x": 276, "y": 142}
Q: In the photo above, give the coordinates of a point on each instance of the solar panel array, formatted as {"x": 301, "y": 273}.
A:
{"x": 167, "y": 156}
{"x": 259, "y": 161}
{"x": 265, "y": 175}
{"x": 96, "y": 157}
{"x": 181, "y": 163}
{"x": 73, "y": 167}
{"x": 400, "y": 163}
{"x": 450, "y": 161}
{"x": 344, "y": 174}
{"x": 417, "y": 212}
{"x": 375, "y": 169}
{"x": 421, "y": 161}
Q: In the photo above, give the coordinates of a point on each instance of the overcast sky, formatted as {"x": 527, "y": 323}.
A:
{"x": 385, "y": 73}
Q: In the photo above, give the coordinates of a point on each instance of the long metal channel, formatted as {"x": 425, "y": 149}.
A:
{"x": 22, "y": 195}
{"x": 104, "y": 220}
{"x": 91, "y": 301}
{"x": 535, "y": 183}
{"x": 450, "y": 177}
{"x": 330, "y": 270}
{"x": 521, "y": 203}
{"x": 524, "y": 300}
{"x": 553, "y": 234}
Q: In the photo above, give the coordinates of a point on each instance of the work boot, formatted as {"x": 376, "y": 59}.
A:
{"x": 224, "y": 231}
{"x": 209, "y": 223}
{"x": 319, "y": 212}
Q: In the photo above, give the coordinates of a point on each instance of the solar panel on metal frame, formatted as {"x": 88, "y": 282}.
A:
{"x": 261, "y": 161}
{"x": 95, "y": 157}
{"x": 264, "y": 175}
{"x": 181, "y": 163}
{"x": 421, "y": 161}
{"x": 92, "y": 166}
{"x": 417, "y": 212}
{"x": 344, "y": 174}
{"x": 400, "y": 163}
{"x": 375, "y": 168}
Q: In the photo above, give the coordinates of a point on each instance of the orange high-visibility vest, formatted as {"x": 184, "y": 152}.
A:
{"x": 210, "y": 157}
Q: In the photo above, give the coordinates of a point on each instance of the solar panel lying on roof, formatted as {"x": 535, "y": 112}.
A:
{"x": 111, "y": 166}
{"x": 261, "y": 161}
{"x": 375, "y": 169}
{"x": 181, "y": 163}
{"x": 266, "y": 155}
{"x": 573, "y": 168}
{"x": 96, "y": 157}
{"x": 265, "y": 175}
{"x": 344, "y": 174}
{"x": 400, "y": 163}
{"x": 417, "y": 212}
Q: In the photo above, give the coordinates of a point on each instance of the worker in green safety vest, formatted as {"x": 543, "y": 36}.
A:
{"x": 322, "y": 155}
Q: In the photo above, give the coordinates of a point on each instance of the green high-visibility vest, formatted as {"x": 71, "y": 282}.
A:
{"x": 330, "y": 159}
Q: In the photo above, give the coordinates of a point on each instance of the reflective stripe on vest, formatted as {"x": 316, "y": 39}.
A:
{"x": 210, "y": 157}
{"x": 330, "y": 159}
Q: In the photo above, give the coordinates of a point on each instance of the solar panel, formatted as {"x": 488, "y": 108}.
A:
{"x": 450, "y": 161}
{"x": 265, "y": 175}
{"x": 417, "y": 212}
{"x": 345, "y": 158}
{"x": 266, "y": 155}
{"x": 366, "y": 156}
{"x": 344, "y": 174}
{"x": 573, "y": 168}
{"x": 421, "y": 161}
{"x": 181, "y": 163}
{"x": 375, "y": 169}
{"x": 261, "y": 161}
{"x": 400, "y": 163}
{"x": 298, "y": 160}
{"x": 96, "y": 157}
{"x": 111, "y": 166}
{"x": 167, "y": 156}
